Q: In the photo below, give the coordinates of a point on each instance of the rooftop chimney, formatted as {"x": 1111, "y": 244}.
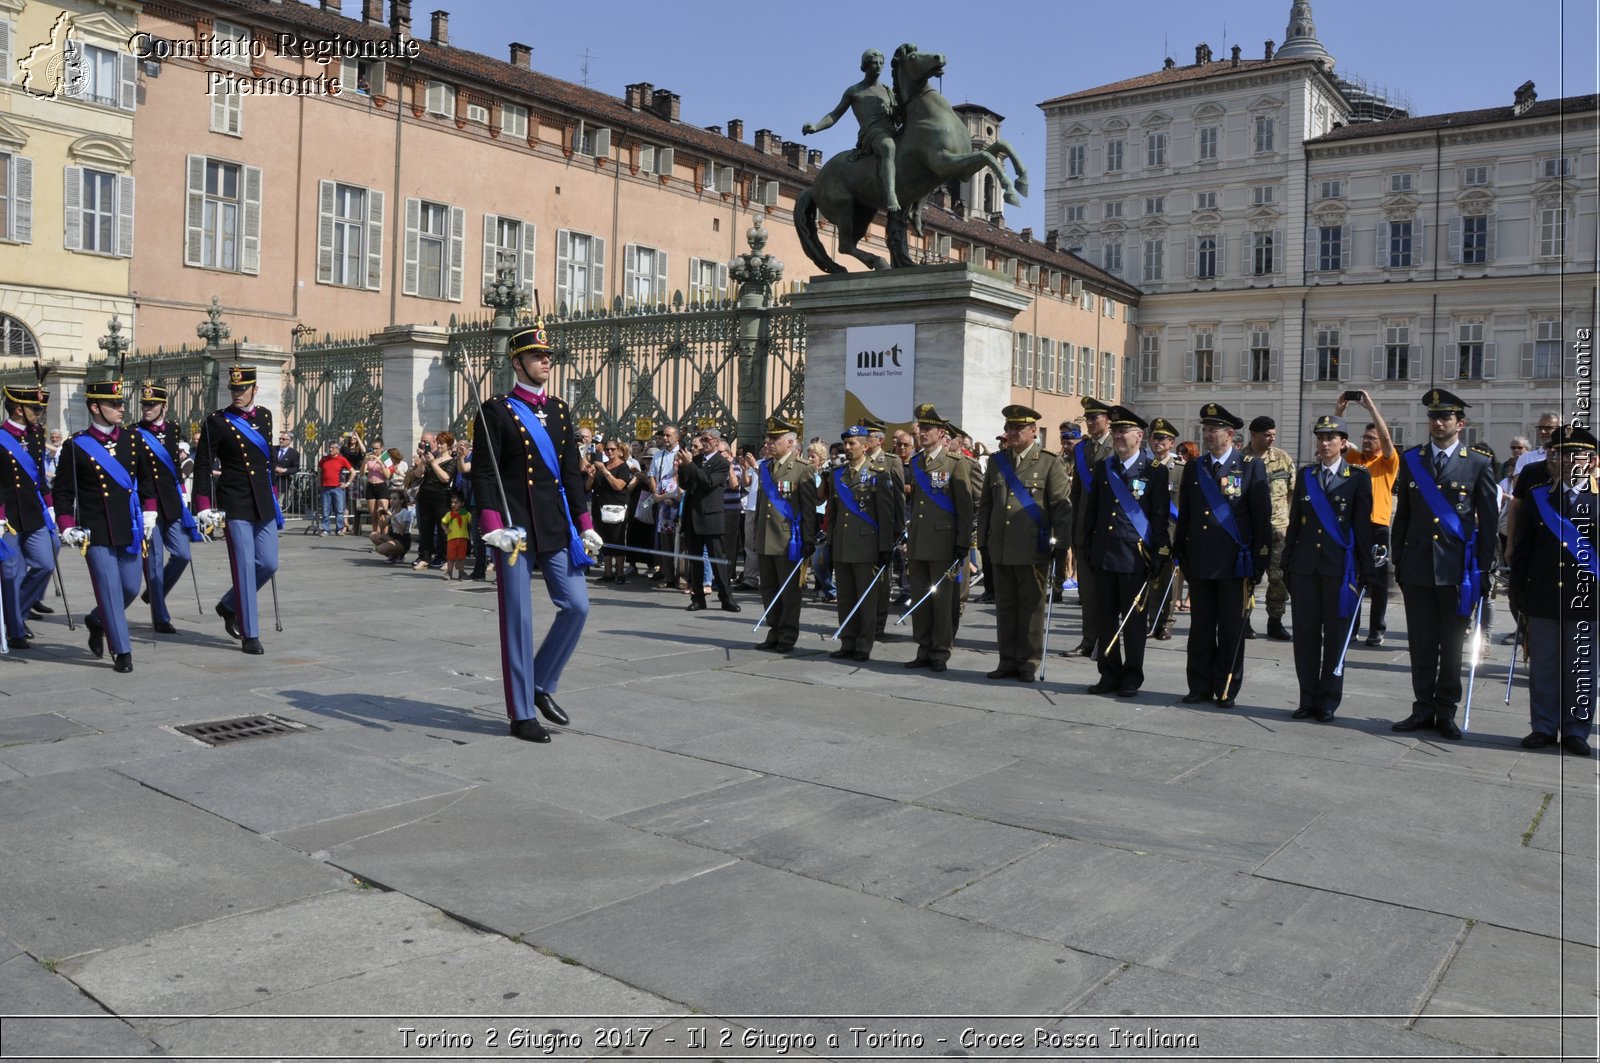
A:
{"x": 441, "y": 28}
{"x": 1270, "y": 46}
{"x": 400, "y": 17}
{"x": 521, "y": 55}
{"x": 768, "y": 142}
{"x": 1236, "y": 51}
{"x": 1027, "y": 234}
{"x": 714, "y": 129}
{"x": 814, "y": 157}
{"x": 795, "y": 153}
{"x": 1169, "y": 63}
{"x": 371, "y": 11}
{"x": 1052, "y": 240}
{"x": 736, "y": 129}
{"x": 1524, "y": 99}
{"x": 665, "y": 104}
{"x": 637, "y": 95}
{"x": 1202, "y": 54}
{"x": 332, "y": 5}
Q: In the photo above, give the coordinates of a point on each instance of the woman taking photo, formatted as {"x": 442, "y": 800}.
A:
{"x": 376, "y": 476}
{"x": 435, "y": 474}
{"x": 609, "y": 483}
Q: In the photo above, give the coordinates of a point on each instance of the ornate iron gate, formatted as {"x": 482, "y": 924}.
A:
{"x": 334, "y": 389}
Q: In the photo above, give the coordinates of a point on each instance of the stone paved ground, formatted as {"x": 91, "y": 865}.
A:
{"x": 724, "y": 838}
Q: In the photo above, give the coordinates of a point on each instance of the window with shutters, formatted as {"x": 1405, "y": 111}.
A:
{"x": 580, "y": 270}
{"x": 1067, "y": 372}
{"x": 592, "y": 141}
{"x": 1203, "y": 367}
{"x": 1330, "y": 248}
{"x": 1261, "y": 251}
{"x": 1262, "y": 195}
{"x": 428, "y": 251}
{"x": 1108, "y": 307}
{"x": 1155, "y": 149}
{"x": 1208, "y": 143}
{"x": 1556, "y": 168}
{"x": 1149, "y": 358}
{"x": 96, "y": 75}
{"x": 477, "y": 112}
{"x": 1548, "y": 349}
{"x": 99, "y": 213}
{"x": 644, "y": 275}
{"x": 219, "y": 241}
{"x": 1155, "y": 205}
{"x": 1021, "y": 360}
{"x": 508, "y": 242}
{"x": 1046, "y": 376}
{"x": 1075, "y": 213}
{"x": 1077, "y": 155}
{"x": 1086, "y": 370}
{"x": 1265, "y": 129}
{"x": 6, "y": 198}
{"x": 365, "y": 77}
{"x": 1108, "y": 374}
{"x": 16, "y": 199}
{"x": 1474, "y": 176}
{"x": 349, "y": 235}
{"x": 1330, "y": 355}
{"x": 1397, "y": 351}
{"x": 708, "y": 280}
{"x": 1205, "y": 257}
{"x": 1399, "y": 253}
{"x": 1113, "y": 210}
{"x": 1474, "y": 239}
{"x": 1331, "y": 190}
{"x": 230, "y": 43}
{"x": 16, "y": 342}
{"x": 1113, "y": 256}
{"x": 1470, "y": 351}
{"x": 440, "y": 99}
{"x": 1401, "y": 182}
{"x": 1114, "y": 150}
{"x": 1205, "y": 201}
{"x": 1553, "y": 232}
{"x": 1086, "y": 301}
{"x": 1259, "y": 369}
{"x": 1154, "y": 254}
{"x": 227, "y": 109}
{"x": 514, "y": 119}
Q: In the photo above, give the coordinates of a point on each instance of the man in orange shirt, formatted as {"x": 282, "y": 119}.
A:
{"x": 1382, "y": 461}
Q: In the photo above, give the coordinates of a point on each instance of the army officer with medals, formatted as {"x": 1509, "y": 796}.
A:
{"x": 107, "y": 502}
{"x": 156, "y": 438}
{"x": 1327, "y": 555}
{"x": 786, "y": 532}
{"x": 1128, "y": 513}
{"x": 1022, "y": 511}
{"x": 1444, "y": 543}
{"x": 938, "y": 537}
{"x": 862, "y": 532}
{"x": 1223, "y": 545}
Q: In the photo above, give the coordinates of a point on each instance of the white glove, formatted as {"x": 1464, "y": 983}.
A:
{"x": 208, "y": 519}
{"x": 506, "y": 539}
{"x": 149, "y": 523}
{"x": 592, "y": 543}
{"x": 76, "y": 537}
{"x": 51, "y": 510}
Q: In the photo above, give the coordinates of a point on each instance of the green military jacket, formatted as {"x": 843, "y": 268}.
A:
{"x": 1280, "y": 484}
{"x": 937, "y": 535}
{"x": 793, "y": 475}
{"x": 1004, "y": 527}
{"x": 853, "y": 540}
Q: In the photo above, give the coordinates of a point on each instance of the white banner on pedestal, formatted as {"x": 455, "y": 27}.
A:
{"x": 879, "y": 373}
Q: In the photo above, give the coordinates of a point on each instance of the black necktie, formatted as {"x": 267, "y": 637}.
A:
{"x": 1327, "y": 480}
{"x": 1439, "y": 458}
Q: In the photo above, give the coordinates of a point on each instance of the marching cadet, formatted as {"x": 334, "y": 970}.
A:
{"x": 156, "y": 440}
{"x": 30, "y": 523}
{"x": 1164, "y": 452}
{"x": 1328, "y": 557}
{"x": 1280, "y": 485}
{"x": 786, "y": 532}
{"x": 1444, "y": 543}
{"x": 885, "y": 463}
{"x": 939, "y": 537}
{"x": 1090, "y": 451}
{"x": 1128, "y": 544}
{"x": 1554, "y": 585}
{"x": 1223, "y": 545}
{"x": 861, "y": 535}
{"x": 245, "y": 507}
{"x": 527, "y": 477}
{"x": 108, "y": 512}
{"x": 1023, "y": 508}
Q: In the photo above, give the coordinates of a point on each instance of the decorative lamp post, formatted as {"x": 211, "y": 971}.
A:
{"x": 756, "y": 271}
{"x": 507, "y": 297}
{"x": 114, "y": 343}
{"x": 213, "y": 330}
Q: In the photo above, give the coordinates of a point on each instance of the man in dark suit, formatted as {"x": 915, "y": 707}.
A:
{"x": 527, "y": 478}
{"x": 1554, "y": 585}
{"x": 1128, "y": 516}
{"x": 1327, "y": 555}
{"x": 1089, "y": 452}
{"x": 1223, "y": 545}
{"x": 703, "y": 475}
{"x": 285, "y": 463}
{"x": 1444, "y": 544}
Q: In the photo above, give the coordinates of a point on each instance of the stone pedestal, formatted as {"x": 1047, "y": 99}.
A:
{"x": 416, "y": 383}
{"x": 962, "y": 316}
{"x": 66, "y": 412}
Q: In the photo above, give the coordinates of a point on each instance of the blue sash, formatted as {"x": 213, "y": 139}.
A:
{"x": 1081, "y": 459}
{"x": 1224, "y": 514}
{"x": 26, "y": 463}
{"x": 119, "y": 475}
{"x": 1130, "y": 505}
{"x": 919, "y": 473}
{"x": 1348, "y": 591}
{"x": 248, "y": 430}
{"x": 769, "y": 487}
{"x": 1450, "y": 522}
{"x": 847, "y": 499}
{"x": 1567, "y": 533}
{"x": 1024, "y": 496}
{"x": 547, "y": 452}
{"x": 185, "y": 518}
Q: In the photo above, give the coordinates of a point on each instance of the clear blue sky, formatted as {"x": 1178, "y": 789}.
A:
{"x": 777, "y": 66}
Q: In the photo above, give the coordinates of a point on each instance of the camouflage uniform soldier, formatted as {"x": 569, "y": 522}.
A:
{"x": 1280, "y": 485}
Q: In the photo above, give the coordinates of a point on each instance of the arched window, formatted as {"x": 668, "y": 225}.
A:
{"x": 16, "y": 341}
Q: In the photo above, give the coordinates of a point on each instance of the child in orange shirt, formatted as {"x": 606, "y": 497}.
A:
{"x": 456, "y": 537}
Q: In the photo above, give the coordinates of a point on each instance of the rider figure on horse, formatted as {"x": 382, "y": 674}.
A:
{"x": 874, "y": 105}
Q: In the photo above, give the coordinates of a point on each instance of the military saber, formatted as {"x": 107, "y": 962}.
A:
{"x": 1472, "y": 669}
{"x": 1172, "y": 581}
{"x": 1350, "y": 633}
{"x": 871, "y": 583}
{"x": 1234, "y": 660}
{"x": 668, "y": 553}
{"x": 1511, "y": 673}
{"x": 1138, "y": 604}
{"x": 954, "y": 565}
{"x": 494, "y": 462}
{"x": 776, "y": 598}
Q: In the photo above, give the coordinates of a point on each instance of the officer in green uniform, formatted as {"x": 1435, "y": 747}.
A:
{"x": 861, "y": 535}
{"x": 1280, "y": 485}
{"x": 1023, "y": 507}
{"x": 786, "y": 531}
{"x": 954, "y": 434}
{"x": 1164, "y": 452}
{"x": 938, "y": 538}
{"x": 885, "y": 464}
{"x": 1090, "y": 451}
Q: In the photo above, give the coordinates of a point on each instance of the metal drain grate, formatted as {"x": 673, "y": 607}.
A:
{"x": 224, "y": 732}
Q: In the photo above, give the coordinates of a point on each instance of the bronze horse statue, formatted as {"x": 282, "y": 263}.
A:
{"x": 933, "y": 147}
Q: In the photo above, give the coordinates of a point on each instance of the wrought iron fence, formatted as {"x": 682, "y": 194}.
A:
{"x": 188, "y": 373}
{"x": 334, "y": 388}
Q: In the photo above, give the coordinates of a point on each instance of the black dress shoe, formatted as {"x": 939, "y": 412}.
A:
{"x": 937, "y": 666}
{"x": 164, "y": 627}
{"x": 1325, "y": 716}
{"x": 1024, "y": 677}
{"x": 840, "y": 653}
{"x": 862, "y": 655}
{"x": 1575, "y": 745}
{"x": 1224, "y": 703}
{"x": 122, "y": 662}
{"x": 732, "y": 607}
{"x": 1104, "y": 686}
{"x": 27, "y": 632}
{"x": 97, "y": 639}
{"x": 230, "y": 622}
{"x": 1277, "y": 632}
{"x": 20, "y": 644}
{"x": 144, "y": 596}
{"x": 1302, "y": 713}
{"x": 40, "y": 608}
{"x": 1002, "y": 673}
{"x": 781, "y": 648}
{"x": 770, "y": 647}
{"x": 1249, "y": 632}
{"x": 919, "y": 662}
{"x": 695, "y": 607}
{"x": 1447, "y": 728}
{"x": 1538, "y": 740}
{"x": 529, "y": 730}
{"x": 1127, "y": 692}
{"x": 549, "y": 709}
{"x": 1415, "y": 722}
{"x": 1164, "y": 634}
{"x": 1191, "y": 699}
{"x": 1374, "y": 640}
{"x": 252, "y": 647}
